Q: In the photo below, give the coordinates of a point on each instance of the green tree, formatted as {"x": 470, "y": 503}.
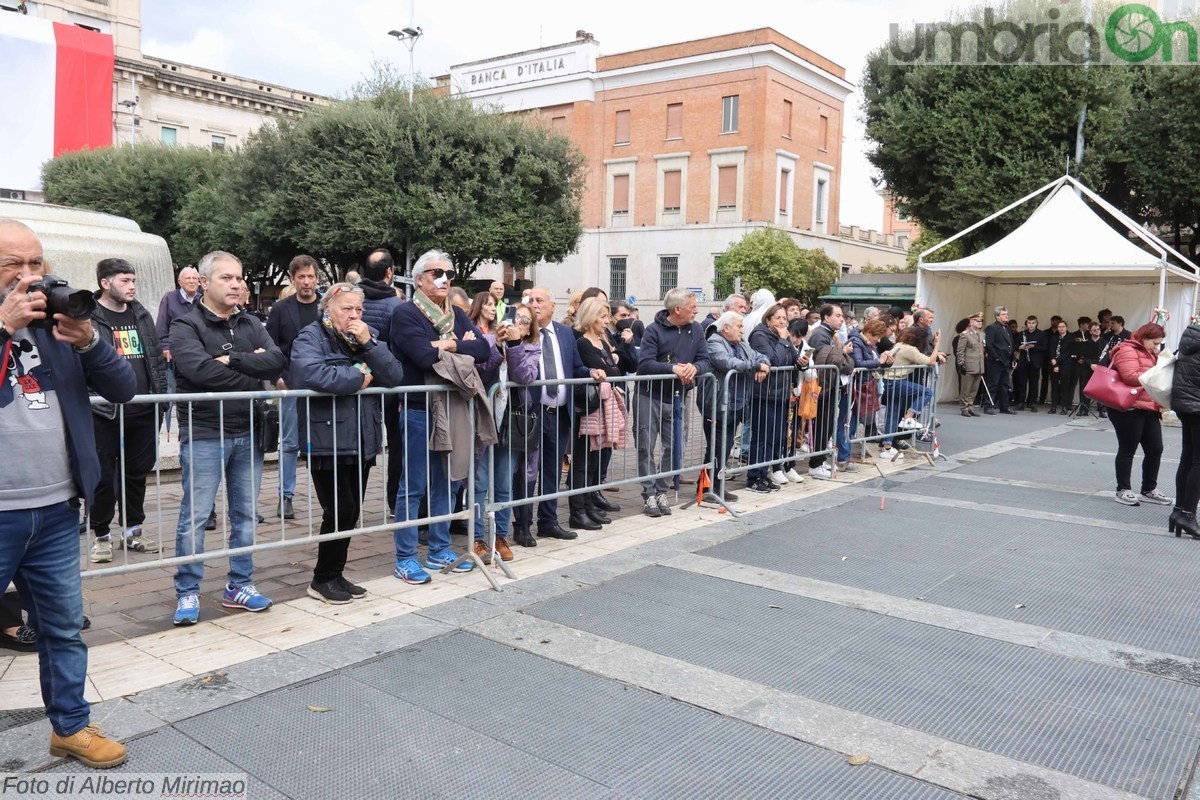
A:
{"x": 925, "y": 240}
{"x": 956, "y": 143}
{"x": 147, "y": 184}
{"x": 769, "y": 257}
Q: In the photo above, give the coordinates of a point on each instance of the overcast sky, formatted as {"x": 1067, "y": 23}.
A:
{"x": 326, "y": 46}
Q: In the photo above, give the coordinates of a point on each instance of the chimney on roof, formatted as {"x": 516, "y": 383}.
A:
{"x": 584, "y": 36}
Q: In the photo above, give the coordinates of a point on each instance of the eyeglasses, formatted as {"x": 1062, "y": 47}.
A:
{"x": 444, "y": 273}
{"x": 523, "y": 320}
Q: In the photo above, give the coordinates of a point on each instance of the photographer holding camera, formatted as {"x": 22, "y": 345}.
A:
{"x": 51, "y": 356}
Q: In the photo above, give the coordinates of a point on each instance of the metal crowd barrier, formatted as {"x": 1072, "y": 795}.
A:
{"x": 882, "y": 398}
{"x": 648, "y": 422}
{"x": 377, "y": 511}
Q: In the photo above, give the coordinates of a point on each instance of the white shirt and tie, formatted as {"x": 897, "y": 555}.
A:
{"x": 550, "y": 368}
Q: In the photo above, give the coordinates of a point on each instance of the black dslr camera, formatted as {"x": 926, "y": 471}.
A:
{"x": 62, "y": 299}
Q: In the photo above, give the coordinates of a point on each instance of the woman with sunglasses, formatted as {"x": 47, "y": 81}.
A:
{"x": 340, "y": 355}
{"x": 521, "y": 417}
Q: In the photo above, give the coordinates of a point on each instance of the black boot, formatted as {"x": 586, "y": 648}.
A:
{"x": 594, "y": 511}
{"x": 580, "y": 519}
{"x": 524, "y": 537}
{"x": 1182, "y": 522}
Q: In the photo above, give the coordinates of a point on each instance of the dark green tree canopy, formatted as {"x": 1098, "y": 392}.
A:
{"x": 769, "y": 257}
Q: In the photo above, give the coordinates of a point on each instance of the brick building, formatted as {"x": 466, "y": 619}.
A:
{"x": 689, "y": 146}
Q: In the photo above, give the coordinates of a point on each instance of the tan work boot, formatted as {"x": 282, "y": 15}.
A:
{"x": 91, "y": 747}
{"x": 506, "y": 553}
{"x": 481, "y": 550}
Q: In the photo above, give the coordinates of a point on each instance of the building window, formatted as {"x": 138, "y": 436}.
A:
{"x": 675, "y": 121}
{"x": 671, "y": 184}
{"x": 787, "y": 119}
{"x": 622, "y": 127}
{"x": 902, "y": 216}
{"x": 727, "y": 187}
{"x": 218, "y": 143}
{"x": 846, "y": 269}
{"x": 784, "y": 175}
{"x": 558, "y": 124}
{"x": 170, "y": 136}
{"x": 823, "y": 133}
{"x": 616, "y": 277}
{"x": 729, "y": 114}
{"x": 821, "y": 203}
{"x": 668, "y": 274}
{"x": 620, "y": 194}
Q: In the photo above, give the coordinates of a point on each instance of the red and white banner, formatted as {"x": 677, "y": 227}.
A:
{"x": 56, "y": 90}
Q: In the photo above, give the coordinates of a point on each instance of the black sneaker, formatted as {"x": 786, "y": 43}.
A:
{"x": 759, "y": 486}
{"x": 772, "y": 486}
{"x": 288, "y": 511}
{"x": 211, "y": 523}
{"x": 329, "y": 592}
{"x": 650, "y": 508}
{"x": 730, "y": 497}
{"x": 353, "y": 590}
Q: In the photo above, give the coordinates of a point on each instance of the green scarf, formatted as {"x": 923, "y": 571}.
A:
{"x": 442, "y": 318}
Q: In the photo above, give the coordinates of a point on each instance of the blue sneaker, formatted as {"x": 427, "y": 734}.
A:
{"x": 410, "y": 571}
{"x": 444, "y": 558}
{"x": 246, "y": 597}
{"x": 188, "y": 610}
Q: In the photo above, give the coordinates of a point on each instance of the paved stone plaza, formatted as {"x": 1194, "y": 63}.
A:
{"x": 994, "y": 627}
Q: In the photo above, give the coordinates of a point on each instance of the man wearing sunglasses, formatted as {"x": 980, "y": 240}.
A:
{"x": 419, "y": 330}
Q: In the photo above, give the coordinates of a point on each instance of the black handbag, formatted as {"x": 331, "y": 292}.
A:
{"x": 586, "y": 397}
{"x": 266, "y": 426}
{"x": 524, "y": 429}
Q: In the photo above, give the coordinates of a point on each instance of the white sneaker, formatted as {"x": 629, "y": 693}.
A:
{"x": 909, "y": 424}
{"x": 101, "y": 552}
{"x": 793, "y": 476}
{"x": 821, "y": 473}
{"x": 1127, "y": 498}
{"x": 890, "y": 454}
{"x": 779, "y": 478}
{"x": 1157, "y": 498}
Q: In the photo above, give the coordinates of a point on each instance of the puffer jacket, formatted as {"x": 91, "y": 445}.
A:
{"x": 322, "y": 362}
{"x": 1185, "y": 391}
{"x": 1129, "y": 361}
{"x": 779, "y": 353}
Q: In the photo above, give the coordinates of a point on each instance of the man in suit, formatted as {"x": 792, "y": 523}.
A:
{"x": 559, "y": 360}
{"x": 1031, "y": 355}
{"x": 288, "y": 317}
{"x": 999, "y": 364}
{"x": 379, "y": 302}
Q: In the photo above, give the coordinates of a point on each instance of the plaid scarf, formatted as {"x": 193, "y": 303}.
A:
{"x": 442, "y": 318}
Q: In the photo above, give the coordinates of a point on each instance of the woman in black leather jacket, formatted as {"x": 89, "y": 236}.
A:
{"x": 1185, "y": 401}
{"x": 338, "y": 354}
{"x": 769, "y": 400}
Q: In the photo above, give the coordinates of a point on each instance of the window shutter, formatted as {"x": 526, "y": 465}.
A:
{"x": 726, "y": 187}
{"x": 620, "y": 194}
{"x": 671, "y": 183}
{"x": 622, "y": 127}
{"x": 675, "y": 121}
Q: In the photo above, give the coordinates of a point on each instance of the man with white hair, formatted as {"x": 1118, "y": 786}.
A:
{"x": 999, "y": 364}
{"x": 419, "y": 331}
{"x": 673, "y": 345}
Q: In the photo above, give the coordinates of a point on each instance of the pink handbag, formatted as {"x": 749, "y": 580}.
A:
{"x": 1107, "y": 389}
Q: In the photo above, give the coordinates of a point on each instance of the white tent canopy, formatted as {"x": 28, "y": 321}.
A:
{"x": 1066, "y": 259}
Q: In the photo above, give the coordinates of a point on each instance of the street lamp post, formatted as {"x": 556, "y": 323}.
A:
{"x": 408, "y": 37}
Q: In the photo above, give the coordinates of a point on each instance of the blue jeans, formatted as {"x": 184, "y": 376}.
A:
{"x": 901, "y": 396}
{"x": 503, "y": 489}
{"x": 424, "y": 473}
{"x": 845, "y": 426}
{"x": 289, "y": 444}
{"x": 201, "y": 464}
{"x": 39, "y": 551}
{"x": 768, "y": 423}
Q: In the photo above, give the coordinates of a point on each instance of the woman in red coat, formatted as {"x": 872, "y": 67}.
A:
{"x": 1141, "y": 424}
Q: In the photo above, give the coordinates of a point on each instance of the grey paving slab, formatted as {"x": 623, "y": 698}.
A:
{"x": 641, "y": 744}
{"x": 1048, "y": 468}
{"x": 368, "y": 642}
{"x": 190, "y": 697}
{"x": 169, "y": 751}
{"x": 1126, "y": 730}
{"x": 373, "y": 744}
{"x": 1105, "y": 441}
{"x": 272, "y": 671}
{"x": 1106, "y": 584}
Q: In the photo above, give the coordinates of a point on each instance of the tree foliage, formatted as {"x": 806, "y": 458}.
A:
{"x": 926, "y": 239}
{"x": 769, "y": 257}
{"x": 956, "y": 143}
{"x": 372, "y": 170}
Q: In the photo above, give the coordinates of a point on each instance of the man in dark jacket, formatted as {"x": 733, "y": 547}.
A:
{"x": 419, "y": 331}
{"x": 379, "y": 303}
{"x": 287, "y": 318}
{"x": 46, "y": 369}
{"x": 175, "y": 304}
{"x": 122, "y": 320}
{"x": 219, "y": 348}
{"x": 1031, "y": 356}
{"x": 672, "y": 345}
{"x": 829, "y": 350}
{"x": 1050, "y": 335}
{"x": 998, "y": 367}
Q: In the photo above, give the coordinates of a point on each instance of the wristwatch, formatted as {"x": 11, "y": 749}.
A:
{"x": 95, "y": 340}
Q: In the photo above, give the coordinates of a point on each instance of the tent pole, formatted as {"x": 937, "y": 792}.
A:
{"x": 1162, "y": 287}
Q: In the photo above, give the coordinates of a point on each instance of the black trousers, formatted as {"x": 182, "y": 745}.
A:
{"x": 1047, "y": 378}
{"x": 349, "y": 482}
{"x": 1137, "y": 428}
{"x": 395, "y": 446}
{"x": 10, "y": 611}
{"x": 1060, "y": 386}
{"x": 141, "y": 437}
{"x": 1187, "y": 478}
{"x": 823, "y": 427}
{"x": 1025, "y": 382}
{"x": 998, "y": 377}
